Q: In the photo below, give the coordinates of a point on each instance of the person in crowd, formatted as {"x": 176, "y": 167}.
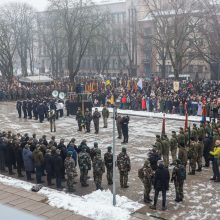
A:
{"x": 108, "y": 158}
{"x": 96, "y": 116}
{"x": 124, "y": 167}
{"x": 215, "y": 161}
{"x": 105, "y": 115}
{"x": 161, "y": 184}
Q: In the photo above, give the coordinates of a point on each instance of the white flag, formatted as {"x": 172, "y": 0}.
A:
{"x": 140, "y": 84}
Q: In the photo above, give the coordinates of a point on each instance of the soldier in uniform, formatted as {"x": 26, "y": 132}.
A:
{"x": 178, "y": 177}
{"x": 96, "y": 116}
{"x": 98, "y": 169}
{"x": 88, "y": 119}
{"x": 146, "y": 175}
{"x": 124, "y": 127}
{"x": 182, "y": 155}
{"x": 93, "y": 151}
{"x": 200, "y": 149}
{"x": 70, "y": 166}
{"x": 29, "y": 108}
{"x": 173, "y": 146}
{"x": 124, "y": 166}
{"x": 192, "y": 155}
{"x": 18, "y": 107}
{"x": 118, "y": 124}
{"x": 165, "y": 150}
{"x": 84, "y": 162}
{"x": 201, "y": 131}
{"x": 24, "y": 108}
{"x": 80, "y": 119}
{"x": 194, "y": 132}
{"x": 52, "y": 119}
{"x": 105, "y": 115}
{"x": 108, "y": 158}
{"x": 158, "y": 144}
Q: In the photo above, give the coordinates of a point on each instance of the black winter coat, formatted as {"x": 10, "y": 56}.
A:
{"x": 161, "y": 179}
{"x": 10, "y": 156}
{"x": 57, "y": 165}
{"x": 48, "y": 163}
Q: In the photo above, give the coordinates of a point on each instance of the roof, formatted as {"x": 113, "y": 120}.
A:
{"x": 104, "y": 2}
{"x": 35, "y": 79}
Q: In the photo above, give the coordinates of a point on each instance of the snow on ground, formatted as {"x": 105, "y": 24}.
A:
{"x": 155, "y": 115}
{"x": 96, "y": 205}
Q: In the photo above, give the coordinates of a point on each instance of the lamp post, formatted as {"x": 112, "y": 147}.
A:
{"x": 114, "y": 157}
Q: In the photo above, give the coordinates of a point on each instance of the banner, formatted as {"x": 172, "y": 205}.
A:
{"x": 176, "y": 86}
{"x": 140, "y": 84}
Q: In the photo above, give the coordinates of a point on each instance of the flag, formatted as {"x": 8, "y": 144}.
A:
{"x": 108, "y": 82}
{"x": 186, "y": 116}
{"x": 140, "y": 84}
{"x": 163, "y": 126}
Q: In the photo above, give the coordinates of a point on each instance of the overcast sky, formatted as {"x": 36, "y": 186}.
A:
{"x": 39, "y": 5}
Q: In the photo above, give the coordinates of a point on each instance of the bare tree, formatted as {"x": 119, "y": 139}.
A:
{"x": 7, "y": 48}
{"x": 209, "y": 45}
{"x": 51, "y": 34}
{"x": 21, "y": 16}
{"x": 102, "y": 46}
{"x": 175, "y": 23}
{"x": 80, "y": 19}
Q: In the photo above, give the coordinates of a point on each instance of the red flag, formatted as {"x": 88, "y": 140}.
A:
{"x": 163, "y": 126}
{"x": 186, "y": 117}
{"x": 204, "y": 113}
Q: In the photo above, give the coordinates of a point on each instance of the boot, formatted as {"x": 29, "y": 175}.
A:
{"x": 217, "y": 180}
{"x": 153, "y": 207}
{"x": 192, "y": 172}
{"x": 199, "y": 169}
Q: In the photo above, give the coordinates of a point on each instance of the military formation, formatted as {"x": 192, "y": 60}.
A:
{"x": 61, "y": 161}
{"x": 39, "y": 109}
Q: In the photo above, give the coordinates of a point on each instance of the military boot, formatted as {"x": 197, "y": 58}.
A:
{"x": 192, "y": 172}
{"x": 199, "y": 169}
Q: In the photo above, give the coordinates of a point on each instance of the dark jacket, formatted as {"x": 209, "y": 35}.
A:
{"x": 57, "y": 165}
{"x": 161, "y": 179}
{"x": 28, "y": 161}
{"x": 48, "y": 163}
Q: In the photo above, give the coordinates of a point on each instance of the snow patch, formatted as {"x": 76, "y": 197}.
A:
{"x": 96, "y": 205}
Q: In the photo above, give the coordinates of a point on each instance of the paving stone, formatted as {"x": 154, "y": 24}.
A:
{"x": 53, "y": 212}
{"x": 62, "y": 215}
{"x": 36, "y": 198}
{"x": 18, "y": 201}
{"x": 76, "y": 217}
{"x": 42, "y": 210}
{"x": 24, "y": 204}
{"x": 2, "y": 187}
{"x": 11, "y": 189}
{"x": 24, "y": 193}
{"x": 9, "y": 199}
{"x": 5, "y": 195}
{"x": 35, "y": 206}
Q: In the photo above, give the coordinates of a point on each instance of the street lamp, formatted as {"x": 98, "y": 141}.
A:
{"x": 114, "y": 156}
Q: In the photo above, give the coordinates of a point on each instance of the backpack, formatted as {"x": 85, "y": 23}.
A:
{"x": 181, "y": 173}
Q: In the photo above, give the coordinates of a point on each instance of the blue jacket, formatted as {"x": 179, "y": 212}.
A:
{"x": 74, "y": 153}
{"x": 28, "y": 161}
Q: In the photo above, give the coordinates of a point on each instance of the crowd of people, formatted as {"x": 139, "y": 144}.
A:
{"x": 153, "y": 96}
{"x": 61, "y": 160}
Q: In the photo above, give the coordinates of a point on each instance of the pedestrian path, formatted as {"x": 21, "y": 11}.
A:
{"x": 33, "y": 204}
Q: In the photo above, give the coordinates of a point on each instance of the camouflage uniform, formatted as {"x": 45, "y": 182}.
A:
{"x": 108, "y": 158}
{"x": 165, "y": 150}
{"x": 88, "y": 119}
{"x": 94, "y": 150}
{"x": 194, "y": 133}
{"x": 200, "y": 148}
{"x": 98, "y": 170}
{"x": 182, "y": 155}
{"x": 179, "y": 179}
{"x": 158, "y": 144}
{"x": 80, "y": 119}
{"x": 146, "y": 174}
{"x": 124, "y": 166}
{"x": 192, "y": 155}
{"x": 173, "y": 146}
{"x": 105, "y": 115}
{"x": 69, "y": 164}
{"x": 84, "y": 162}
{"x": 201, "y": 132}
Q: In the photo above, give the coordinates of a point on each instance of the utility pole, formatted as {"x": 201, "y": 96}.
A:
{"x": 114, "y": 157}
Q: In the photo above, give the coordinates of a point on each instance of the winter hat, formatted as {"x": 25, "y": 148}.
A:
{"x": 69, "y": 154}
